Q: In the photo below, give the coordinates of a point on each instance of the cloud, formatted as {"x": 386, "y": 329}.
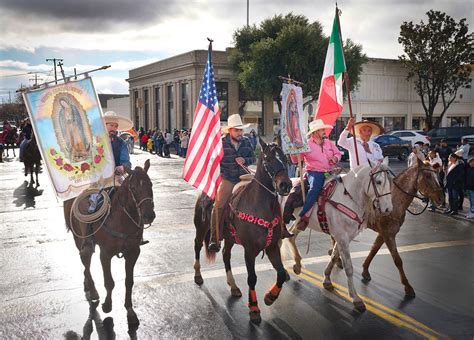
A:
{"x": 89, "y": 15}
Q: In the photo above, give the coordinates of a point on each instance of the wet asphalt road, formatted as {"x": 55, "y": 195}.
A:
{"x": 42, "y": 295}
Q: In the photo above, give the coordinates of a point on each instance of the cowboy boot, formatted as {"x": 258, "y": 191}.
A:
{"x": 214, "y": 243}
{"x": 303, "y": 222}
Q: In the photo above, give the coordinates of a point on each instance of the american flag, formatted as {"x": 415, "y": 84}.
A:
{"x": 202, "y": 165}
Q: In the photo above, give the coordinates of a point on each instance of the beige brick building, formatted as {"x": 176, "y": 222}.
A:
{"x": 164, "y": 95}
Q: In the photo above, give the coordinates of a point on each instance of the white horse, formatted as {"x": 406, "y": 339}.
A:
{"x": 362, "y": 190}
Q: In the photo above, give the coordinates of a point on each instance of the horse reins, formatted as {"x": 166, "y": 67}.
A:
{"x": 137, "y": 206}
{"x": 256, "y": 180}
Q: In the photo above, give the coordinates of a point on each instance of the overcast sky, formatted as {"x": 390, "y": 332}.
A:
{"x": 130, "y": 33}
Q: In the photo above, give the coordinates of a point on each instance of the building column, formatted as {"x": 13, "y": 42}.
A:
{"x": 267, "y": 116}
{"x": 151, "y": 108}
{"x": 179, "y": 123}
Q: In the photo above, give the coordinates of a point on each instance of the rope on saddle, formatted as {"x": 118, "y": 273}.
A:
{"x": 104, "y": 210}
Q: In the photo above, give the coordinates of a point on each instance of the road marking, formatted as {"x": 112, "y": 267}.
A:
{"x": 397, "y": 318}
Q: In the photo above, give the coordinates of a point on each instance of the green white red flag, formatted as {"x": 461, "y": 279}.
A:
{"x": 330, "y": 94}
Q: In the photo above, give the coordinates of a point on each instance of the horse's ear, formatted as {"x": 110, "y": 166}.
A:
{"x": 147, "y": 165}
{"x": 262, "y": 143}
{"x": 385, "y": 161}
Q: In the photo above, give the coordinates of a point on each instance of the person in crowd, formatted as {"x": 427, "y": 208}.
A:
{"x": 184, "y": 143}
{"x": 465, "y": 147}
{"x": 150, "y": 145}
{"x": 415, "y": 155}
{"x": 141, "y": 132}
{"x": 177, "y": 142}
{"x": 321, "y": 159}
{"x": 367, "y": 149}
{"x": 168, "y": 142}
{"x": 253, "y": 139}
{"x": 469, "y": 186}
{"x": 437, "y": 165}
{"x": 443, "y": 151}
{"x": 425, "y": 149}
{"x": 454, "y": 183}
{"x": 144, "y": 140}
{"x": 160, "y": 141}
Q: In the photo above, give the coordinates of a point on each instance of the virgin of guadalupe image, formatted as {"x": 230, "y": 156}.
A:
{"x": 72, "y": 128}
{"x": 293, "y": 120}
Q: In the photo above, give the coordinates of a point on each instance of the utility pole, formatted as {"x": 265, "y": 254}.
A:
{"x": 54, "y": 61}
{"x": 60, "y": 64}
{"x": 35, "y": 78}
{"x": 248, "y": 13}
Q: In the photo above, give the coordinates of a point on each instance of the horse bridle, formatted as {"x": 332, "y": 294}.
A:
{"x": 272, "y": 174}
{"x": 137, "y": 206}
{"x": 373, "y": 173}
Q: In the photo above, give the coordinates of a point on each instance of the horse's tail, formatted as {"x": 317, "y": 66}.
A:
{"x": 210, "y": 257}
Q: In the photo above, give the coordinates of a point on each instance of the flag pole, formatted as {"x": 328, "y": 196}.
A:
{"x": 346, "y": 82}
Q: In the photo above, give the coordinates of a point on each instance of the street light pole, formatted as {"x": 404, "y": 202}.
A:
{"x": 248, "y": 13}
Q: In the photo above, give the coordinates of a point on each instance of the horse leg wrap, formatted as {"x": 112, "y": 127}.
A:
{"x": 253, "y": 304}
{"x": 272, "y": 295}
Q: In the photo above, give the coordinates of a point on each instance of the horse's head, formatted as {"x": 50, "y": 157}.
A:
{"x": 428, "y": 183}
{"x": 274, "y": 162}
{"x": 140, "y": 187}
{"x": 379, "y": 187}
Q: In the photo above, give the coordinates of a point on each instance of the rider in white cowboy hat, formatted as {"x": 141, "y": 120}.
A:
{"x": 367, "y": 149}
{"x": 237, "y": 151}
{"x": 114, "y": 123}
{"x": 322, "y": 158}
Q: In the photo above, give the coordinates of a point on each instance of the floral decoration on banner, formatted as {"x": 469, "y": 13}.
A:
{"x": 83, "y": 168}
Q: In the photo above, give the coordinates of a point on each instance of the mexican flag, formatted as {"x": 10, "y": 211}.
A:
{"x": 330, "y": 94}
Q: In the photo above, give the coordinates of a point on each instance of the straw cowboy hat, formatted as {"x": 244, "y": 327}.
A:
{"x": 377, "y": 129}
{"x": 459, "y": 153}
{"x": 123, "y": 123}
{"x": 234, "y": 122}
{"x": 316, "y": 125}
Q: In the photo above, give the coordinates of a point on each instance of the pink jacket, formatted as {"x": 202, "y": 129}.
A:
{"x": 318, "y": 158}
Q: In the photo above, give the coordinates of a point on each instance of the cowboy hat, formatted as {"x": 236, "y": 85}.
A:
{"x": 234, "y": 122}
{"x": 123, "y": 122}
{"x": 316, "y": 125}
{"x": 459, "y": 153}
{"x": 377, "y": 129}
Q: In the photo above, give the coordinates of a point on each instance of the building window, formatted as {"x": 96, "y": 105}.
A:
{"x": 223, "y": 98}
{"x": 157, "y": 106}
{"x": 136, "y": 108}
{"x": 185, "y": 106}
{"x": 171, "y": 115}
{"x": 394, "y": 123}
{"x": 458, "y": 121}
{"x": 146, "y": 108}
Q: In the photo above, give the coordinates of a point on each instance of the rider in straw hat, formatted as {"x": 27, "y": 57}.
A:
{"x": 367, "y": 149}
{"x": 237, "y": 151}
{"x": 115, "y": 123}
{"x": 322, "y": 157}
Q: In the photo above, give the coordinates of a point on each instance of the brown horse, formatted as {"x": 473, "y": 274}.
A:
{"x": 253, "y": 219}
{"x": 119, "y": 233}
{"x": 417, "y": 178}
{"x": 32, "y": 160}
{"x": 11, "y": 140}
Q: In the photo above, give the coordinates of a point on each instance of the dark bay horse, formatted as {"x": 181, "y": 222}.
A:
{"x": 11, "y": 140}
{"x": 417, "y": 178}
{"x": 32, "y": 160}
{"x": 119, "y": 233}
{"x": 253, "y": 219}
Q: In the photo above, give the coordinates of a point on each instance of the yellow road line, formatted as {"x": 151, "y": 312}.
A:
{"x": 392, "y": 316}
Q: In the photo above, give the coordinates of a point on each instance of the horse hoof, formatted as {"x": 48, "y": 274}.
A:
{"x": 366, "y": 277}
{"x": 360, "y": 306}
{"x": 328, "y": 286}
{"x": 297, "y": 269}
{"x": 287, "y": 276}
{"x": 235, "y": 292}
{"x": 106, "y": 307}
{"x": 269, "y": 299}
{"x": 255, "y": 317}
{"x": 198, "y": 280}
{"x": 410, "y": 294}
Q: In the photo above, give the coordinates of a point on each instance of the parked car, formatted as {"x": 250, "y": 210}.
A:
{"x": 393, "y": 146}
{"x": 415, "y": 137}
{"x": 453, "y": 135}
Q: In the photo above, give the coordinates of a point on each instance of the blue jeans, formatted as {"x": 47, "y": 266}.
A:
{"x": 291, "y": 170}
{"x": 316, "y": 182}
{"x": 470, "y": 194}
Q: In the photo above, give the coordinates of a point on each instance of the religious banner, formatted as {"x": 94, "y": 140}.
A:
{"x": 294, "y": 121}
{"x": 71, "y": 135}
